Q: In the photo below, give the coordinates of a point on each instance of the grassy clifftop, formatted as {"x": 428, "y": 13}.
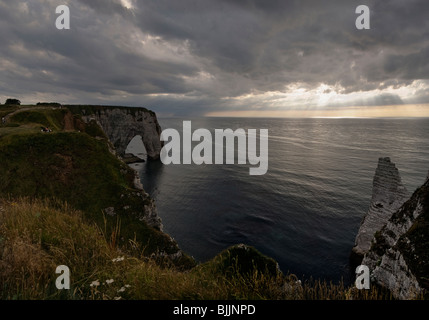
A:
{"x": 92, "y": 109}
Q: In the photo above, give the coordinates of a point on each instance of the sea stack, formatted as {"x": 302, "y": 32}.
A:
{"x": 388, "y": 195}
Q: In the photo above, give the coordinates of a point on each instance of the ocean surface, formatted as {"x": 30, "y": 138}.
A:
{"x": 306, "y": 210}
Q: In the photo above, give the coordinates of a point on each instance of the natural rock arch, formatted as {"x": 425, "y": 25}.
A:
{"x": 123, "y": 124}
{"x": 136, "y": 147}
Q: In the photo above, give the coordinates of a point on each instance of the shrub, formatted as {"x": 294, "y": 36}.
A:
{"x": 12, "y": 102}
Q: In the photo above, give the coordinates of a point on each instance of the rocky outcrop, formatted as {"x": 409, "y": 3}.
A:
{"x": 399, "y": 255}
{"x": 398, "y": 258}
{"x": 122, "y": 124}
{"x": 388, "y": 194}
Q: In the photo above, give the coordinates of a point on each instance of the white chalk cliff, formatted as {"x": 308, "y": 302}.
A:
{"x": 388, "y": 194}
{"x": 122, "y": 124}
{"x": 398, "y": 256}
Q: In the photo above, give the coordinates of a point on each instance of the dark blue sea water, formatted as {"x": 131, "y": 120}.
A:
{"x": 306, "y": 210}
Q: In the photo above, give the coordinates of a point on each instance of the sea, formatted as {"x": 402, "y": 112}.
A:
{"x": 306, "y": 210}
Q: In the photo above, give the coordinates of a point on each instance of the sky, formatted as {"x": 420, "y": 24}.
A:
{"x": 258, "y": 58}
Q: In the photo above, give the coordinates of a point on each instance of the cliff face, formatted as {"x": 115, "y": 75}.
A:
{"x": 388, "y": 194}
{"x": 122, "y": 124}
{"x": 398, "y": 258}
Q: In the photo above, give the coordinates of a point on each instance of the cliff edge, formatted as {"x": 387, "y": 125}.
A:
{"x": 52, "y": 153}
{"x": 122, "y": 124}
{"x": 397, "y": 257}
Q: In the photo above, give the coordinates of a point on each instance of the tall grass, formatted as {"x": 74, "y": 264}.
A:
{"x": 38, "y": 235}
{"x": 35, "y": 239}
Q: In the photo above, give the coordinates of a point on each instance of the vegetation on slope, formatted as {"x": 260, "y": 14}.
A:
{"x": 414, "y": 243}
{"x": 38, "y": 235}
{"x": 74, "y": 166}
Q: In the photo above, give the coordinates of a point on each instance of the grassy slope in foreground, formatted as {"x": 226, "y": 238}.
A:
{"x": 36, "y": 236}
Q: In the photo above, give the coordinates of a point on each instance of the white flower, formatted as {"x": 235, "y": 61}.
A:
{"x": 122, "y": 289}
{"x": 109, "y": 281}
{"x": 95, "y": 283}
{"x": 117, "y": 298}
{"x": 118, "y": 259}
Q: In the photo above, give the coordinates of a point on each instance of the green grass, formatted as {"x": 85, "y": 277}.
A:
{"x": 51, "y": 118}
{"x": 6, "y": 109}
{"x": 79, "y": 169}
{"x": 11, "y": 129}
{"x": 36, "y": 236}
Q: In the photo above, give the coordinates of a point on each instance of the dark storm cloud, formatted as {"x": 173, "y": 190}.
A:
{"x": 192, "y": 55}
{"x": 411, "y": 66}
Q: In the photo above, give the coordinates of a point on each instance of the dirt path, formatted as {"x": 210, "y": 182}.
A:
{"x": 68, "y": 122}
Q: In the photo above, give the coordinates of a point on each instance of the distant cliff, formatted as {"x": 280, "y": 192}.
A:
{"x": 398, "y": 256}
{"x": 122, "y": 124}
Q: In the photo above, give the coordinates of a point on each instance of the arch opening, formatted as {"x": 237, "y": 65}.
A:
{"x": 136, "y": 149}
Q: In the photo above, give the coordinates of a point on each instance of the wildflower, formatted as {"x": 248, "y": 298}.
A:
{"x": 95, "y": 283}
{"x": 117, "y": 298}
{"x": 109, "y": 281}
{"x": 118, "y": 259}
{"x": 124, "y": 288}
